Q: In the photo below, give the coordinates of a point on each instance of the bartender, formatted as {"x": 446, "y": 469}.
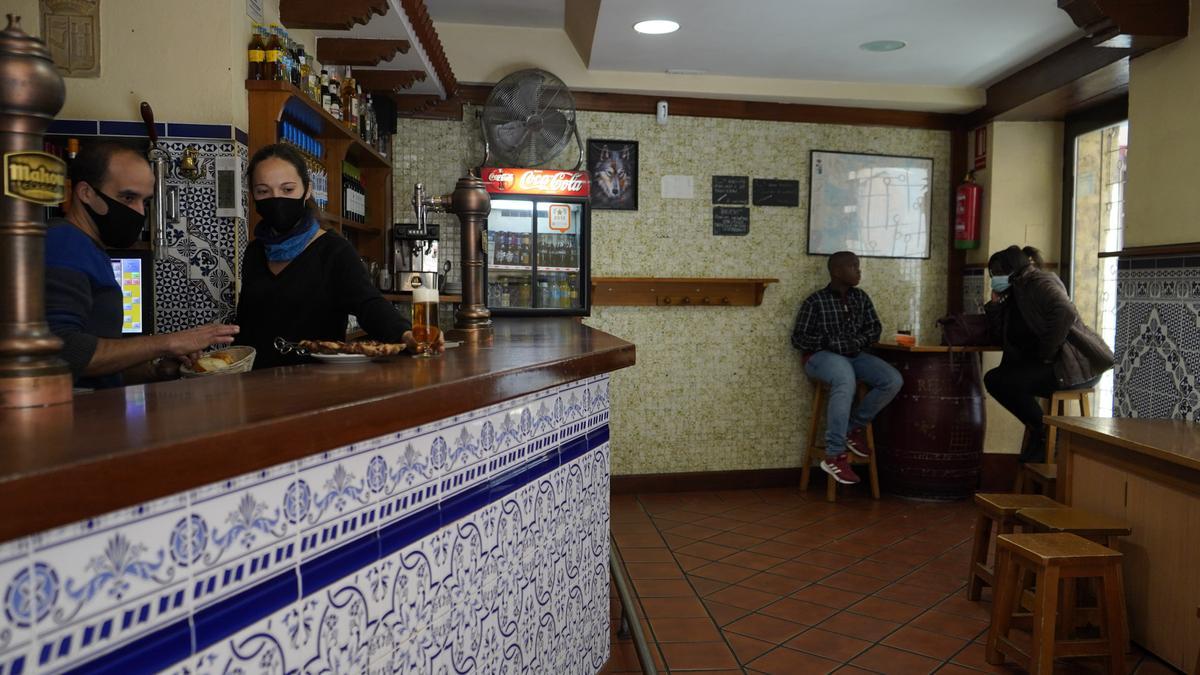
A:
{"x": 300, "y": 282}
{"x": 111, "y": 183}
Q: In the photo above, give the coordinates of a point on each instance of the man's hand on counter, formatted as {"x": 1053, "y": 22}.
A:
{"x": 117, "y": 355}
{"x": 186, "y": 343}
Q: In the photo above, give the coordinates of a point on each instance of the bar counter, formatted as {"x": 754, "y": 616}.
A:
{"x": 1147, "y": 473}
{"x": 407, "y": 515}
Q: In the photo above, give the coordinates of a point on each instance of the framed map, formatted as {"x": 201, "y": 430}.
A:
{"x": 877, "y": 206}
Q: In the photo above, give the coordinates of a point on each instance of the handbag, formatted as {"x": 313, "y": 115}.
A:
{"x": 965, "y": 330}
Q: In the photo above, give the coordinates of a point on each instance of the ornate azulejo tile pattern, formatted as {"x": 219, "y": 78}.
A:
{"x": 195, "y": 284}
{"x": 476, "y": 543}
{"x": 1158, "y": 338}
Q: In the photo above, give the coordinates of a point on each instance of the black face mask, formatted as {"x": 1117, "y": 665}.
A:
{"x": 121, "y": 226}
{"x": 280, "y": 214}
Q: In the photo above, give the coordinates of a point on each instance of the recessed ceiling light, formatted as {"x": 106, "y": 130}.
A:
{"x": 656, "y": 26}
{"x": 883, "y": 45}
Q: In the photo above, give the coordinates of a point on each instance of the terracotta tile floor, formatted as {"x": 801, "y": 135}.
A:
{"x": 773, "y": 581}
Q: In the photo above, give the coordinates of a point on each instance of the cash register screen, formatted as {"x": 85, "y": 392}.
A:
{"x": 133, "y": 272}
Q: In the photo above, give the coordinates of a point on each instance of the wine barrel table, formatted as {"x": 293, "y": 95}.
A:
{"x": 929, "y": 439}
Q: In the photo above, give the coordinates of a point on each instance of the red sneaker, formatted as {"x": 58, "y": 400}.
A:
{"x": 856, "y": 442}
{"x": 840, "y": 469}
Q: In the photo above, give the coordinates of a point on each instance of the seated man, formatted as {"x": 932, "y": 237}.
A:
{"x": 834, "y": 326}
{"x": 110, "y": 185}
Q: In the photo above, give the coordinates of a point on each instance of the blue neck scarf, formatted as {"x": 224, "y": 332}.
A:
{"x": 281, "y": 250}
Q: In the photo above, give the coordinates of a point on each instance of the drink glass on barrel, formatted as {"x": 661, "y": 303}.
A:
{"x": 425, "y": 321}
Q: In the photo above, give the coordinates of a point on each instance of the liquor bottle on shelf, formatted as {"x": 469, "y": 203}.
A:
{"x": 295, "y": 62}
{"x": 272, "y": 68}
{"x": 326, "y": 99}
{"x": 305, "y": 72}
{"x": 255, "y": 55}
{"x": 335, "y": 96}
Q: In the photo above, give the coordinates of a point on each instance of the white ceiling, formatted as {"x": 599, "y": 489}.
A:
{"x": 530, "y": 13}
{"x": 959, "y": 43}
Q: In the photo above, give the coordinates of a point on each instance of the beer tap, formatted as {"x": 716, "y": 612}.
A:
{"x": 471, "y": 204}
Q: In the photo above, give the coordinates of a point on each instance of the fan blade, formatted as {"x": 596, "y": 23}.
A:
{"x": 510, "y": 134}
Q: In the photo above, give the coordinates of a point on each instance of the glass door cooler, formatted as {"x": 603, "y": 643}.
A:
{"x": 538, "y": 243}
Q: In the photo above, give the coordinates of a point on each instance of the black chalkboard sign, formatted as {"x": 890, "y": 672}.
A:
{"x": 730, "y": 189}
{"x": 773, "y": 192}
{"x": 730, "y": 222}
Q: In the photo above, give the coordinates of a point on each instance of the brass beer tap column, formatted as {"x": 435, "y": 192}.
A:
{"x": 33, "y": 93}
{"x": 471, "y": 203}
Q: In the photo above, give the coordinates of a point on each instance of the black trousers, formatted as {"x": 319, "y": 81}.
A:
{"x": 1016, "y": 384}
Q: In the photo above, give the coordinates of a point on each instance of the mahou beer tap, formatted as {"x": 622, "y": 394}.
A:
{"x": 33, "y": 93}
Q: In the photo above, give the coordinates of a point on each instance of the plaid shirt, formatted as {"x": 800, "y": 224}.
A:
{"x": 827, "y": 321}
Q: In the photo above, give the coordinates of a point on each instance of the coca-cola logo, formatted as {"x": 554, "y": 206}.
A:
{"x": 556, "y": 182}
{"x": 562, "y": 181}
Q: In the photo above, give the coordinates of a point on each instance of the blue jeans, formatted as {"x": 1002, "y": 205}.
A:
{"x": 842, "y": 374}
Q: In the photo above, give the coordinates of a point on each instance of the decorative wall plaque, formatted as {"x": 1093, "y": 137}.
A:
{"x": 71, "y": 28}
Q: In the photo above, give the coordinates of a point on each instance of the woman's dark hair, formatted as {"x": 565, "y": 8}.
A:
{"x": 1009, "y": 261}
{"x": 91, "y": 164}
{"x": 1034, "y": 255}
{"x": 281, "y": 151}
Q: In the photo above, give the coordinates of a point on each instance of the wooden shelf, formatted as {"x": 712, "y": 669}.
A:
{"x": 333, "y": 128}
{"x": 407, "y": 297}
{"x": 361, "y": 227}
{"x": 678, "y": 292}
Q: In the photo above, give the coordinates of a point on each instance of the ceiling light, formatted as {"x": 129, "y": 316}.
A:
{"x": 686, "y": 71}
{"x": 883, "y": 45}
{"x": 656, "y": 26}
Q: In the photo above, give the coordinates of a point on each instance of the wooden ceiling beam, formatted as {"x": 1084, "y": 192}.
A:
{"x": 377, "y": 79}
{"x": 329, "y": 14}
{"x": 1141, "y": 25}
{"x": 427, "y": 37}
{"x": 358, "y": 51}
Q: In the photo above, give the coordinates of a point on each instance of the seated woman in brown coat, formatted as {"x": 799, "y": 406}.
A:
{"x": 1046, "y": 346}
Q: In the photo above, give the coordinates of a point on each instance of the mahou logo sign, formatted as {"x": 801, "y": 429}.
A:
{"x": 537, "y": 182}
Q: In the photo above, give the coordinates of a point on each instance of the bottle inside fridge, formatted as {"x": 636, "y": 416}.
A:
{"x": 558, "y": 248}
{"x": 510, "y": 254}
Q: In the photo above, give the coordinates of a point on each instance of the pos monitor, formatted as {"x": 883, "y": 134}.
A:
{"x": 134, "y": 271}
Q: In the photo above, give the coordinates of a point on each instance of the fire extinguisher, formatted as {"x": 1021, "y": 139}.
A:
{"x": 967, "y": 200}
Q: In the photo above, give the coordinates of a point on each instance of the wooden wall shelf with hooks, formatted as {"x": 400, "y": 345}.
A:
{"x": 678, "y": 291}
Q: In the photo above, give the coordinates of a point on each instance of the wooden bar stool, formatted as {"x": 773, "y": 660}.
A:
{"x": 1094, "y": 526}
{"x": 814, "y": 451}
{"x": 1043, "y": 476}
{"x": 996, "y": 510}
{"x": 1053, "y": 558}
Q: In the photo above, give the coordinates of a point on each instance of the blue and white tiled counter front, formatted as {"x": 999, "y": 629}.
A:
{"x": 478, "y": 543}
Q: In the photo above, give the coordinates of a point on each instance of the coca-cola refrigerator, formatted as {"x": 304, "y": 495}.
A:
{"x": 538, "y": 245}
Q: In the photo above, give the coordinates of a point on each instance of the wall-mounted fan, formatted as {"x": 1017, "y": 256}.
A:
{"x": 528, "y": 119}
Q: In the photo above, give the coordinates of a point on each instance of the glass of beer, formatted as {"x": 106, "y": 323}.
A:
{"x": 425, "y": 321}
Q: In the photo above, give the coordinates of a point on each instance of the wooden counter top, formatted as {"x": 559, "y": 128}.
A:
{"x": 1173, "y": 441}
{"x": 120, "y": 447}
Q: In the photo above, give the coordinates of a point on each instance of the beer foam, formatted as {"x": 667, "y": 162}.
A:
{"x": 425, "y": 295}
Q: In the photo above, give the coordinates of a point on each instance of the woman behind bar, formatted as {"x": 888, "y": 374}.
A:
{"x": 298, "y": 281}
{"x": 1046, "y": 346}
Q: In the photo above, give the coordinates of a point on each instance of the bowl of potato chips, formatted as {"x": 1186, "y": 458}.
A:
{"x": 221, "y": 362}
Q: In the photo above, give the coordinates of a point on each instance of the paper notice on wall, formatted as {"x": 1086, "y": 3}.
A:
{"x": 678, "y": 187}
{"x": 254, "y": 10}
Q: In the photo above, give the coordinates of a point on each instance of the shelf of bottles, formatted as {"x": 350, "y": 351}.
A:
{"x": 529, "y": 265}
{"x": 274, "y": 56}
{"x": 354, "y": 198}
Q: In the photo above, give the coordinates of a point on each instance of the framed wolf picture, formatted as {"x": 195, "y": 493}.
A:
{"x": 613, "y": 166}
